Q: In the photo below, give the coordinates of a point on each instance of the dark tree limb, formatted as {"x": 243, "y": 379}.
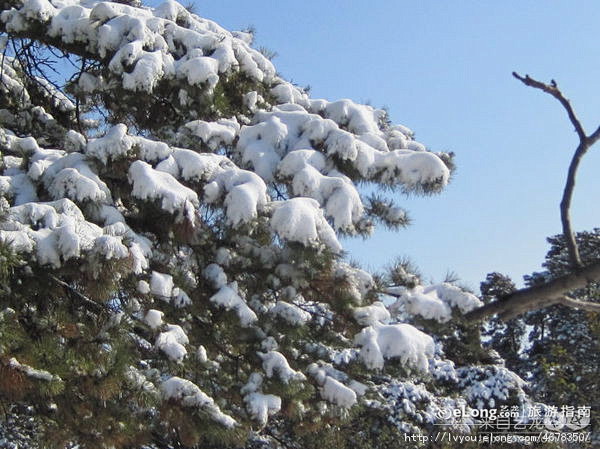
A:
{"x": 585, "y": 142}
{"x": 553, "y": 90}
{"x": 544, "y": 295}
{"x": 577, "y": 304}
{"x": 90, "y": 304}
{"x": 556, "y": 290}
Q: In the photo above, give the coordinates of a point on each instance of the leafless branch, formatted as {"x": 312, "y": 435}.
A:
{"x": 553, "y": 90}
{"x": 554, "y": 291}
{"x": 585, "y": 142}
{"x": 540, "y": 296}
{"x": 93, "y": 305}
{"x": 577, "y": 304}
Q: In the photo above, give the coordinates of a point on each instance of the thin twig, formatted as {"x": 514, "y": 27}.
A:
{"x": 84, "y": 299}
{"x": 553, "y": 90}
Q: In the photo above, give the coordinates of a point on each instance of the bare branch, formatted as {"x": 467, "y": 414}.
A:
{"x": 576, "y": 304}
{"x": 97, "y": 307}
{"x": 540, "y": 296}
{"x": 554, "y": 291}
{"x": 553, "y": 90}
{"x": 585, "y": 142}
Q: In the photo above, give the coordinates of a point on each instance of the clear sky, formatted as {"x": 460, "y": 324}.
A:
{"x": 444, "y": 69}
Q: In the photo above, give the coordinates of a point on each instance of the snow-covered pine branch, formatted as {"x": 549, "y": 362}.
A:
{"x": 195, "y": 198}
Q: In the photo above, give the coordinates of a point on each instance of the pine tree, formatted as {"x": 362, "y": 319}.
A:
{"x": 562, "y": 351}
{"x": 170, "y": 266}
{"x": 504, "y": 337}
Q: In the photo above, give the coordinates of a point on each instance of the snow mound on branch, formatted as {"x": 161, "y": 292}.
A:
{"x": 172, "y": 342}
{"x": 229, "y": 298}
{"x": 214, "y": 134}
{"x": 379, "y": 342}
{"x": 115, "y": 143}
{"x": 215, "y": 274}
{"x": 274, "y": 362}
{"x": 18, "y": 187}
{"x": 331, "y": 387}
{"x": 161, "y": 285}
{"x": 151, "y": 184}
{"x": 301, "y": 220}
{"x": 69, "y": 176}
{"x": 190, "y": 395}
{"x": 56, "y": 231}
{"x": 337, "y": 393}
{"x": 358, "y": 282}
{"x": 259, "y": 405}
{"x": 435, "y": 301}
{"x": 153, "y": 318}
{"x": 369, "y": 315}
{"x": 192, "y": 166}
{"x": 245, "y": 194}
{"x": 291, "y": 313}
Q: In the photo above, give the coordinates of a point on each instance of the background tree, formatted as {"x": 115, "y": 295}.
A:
{"x": 556, "y": 348}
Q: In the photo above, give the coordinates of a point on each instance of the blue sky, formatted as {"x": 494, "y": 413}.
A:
{"x": 444, "y": 70}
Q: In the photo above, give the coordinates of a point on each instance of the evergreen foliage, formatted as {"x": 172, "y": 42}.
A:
{"x": 556, "y": 348}
{"x": 169, "y": 261}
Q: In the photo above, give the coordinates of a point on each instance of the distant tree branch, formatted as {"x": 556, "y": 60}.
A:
{"x": 577, "y": 304}
{"x": 585, "y": 142}
{"x": 554, "y": 291}
{"x": 553, "y": 90}
{"x": 544, "y": 295}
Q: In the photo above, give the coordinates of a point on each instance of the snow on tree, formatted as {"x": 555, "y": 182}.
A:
{"x": 171, "y": 269}
{"x": 556, "y": 348}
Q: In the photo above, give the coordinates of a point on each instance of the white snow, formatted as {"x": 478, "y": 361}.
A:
{"x": 435, "y": 301}
{"x": 215, "y": 134}
{"x": 291, "y": 313}
{"x": 31, "y": 372}
{"x": 330, "y": 385}
{"x": 161, "y": 285}
{"x": 261, "y": 406}
{"x": 337, "y": 393}
{"x": 180, "y": 298}
{"x": 172, "y": 342}
{"x": 369, "y": 315}
{"x": 215, "y": 274}
{"x": 228, "y": 297}
{"x": 114, "y": 144}
{"x": 379, "y": 342}
{"x": 154, "y": 318}
{"x": 190, "y": 395}
{"x": 56, "y": 231}
{"x": 301, "y": 220}
{"x": 143, "y": 287}
{"x": 151, "y": 184}
{"x": 201, "y": 354}
{"x": 275, "y": 363}
{"x": 245, "y": 194}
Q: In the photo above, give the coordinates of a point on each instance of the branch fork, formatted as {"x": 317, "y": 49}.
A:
{"x": 554, "y": 292}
